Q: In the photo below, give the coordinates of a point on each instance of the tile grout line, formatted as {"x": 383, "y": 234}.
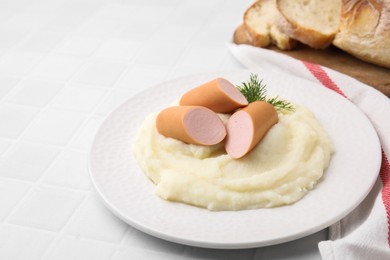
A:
{"x": 61, "y": 233}
{"x": 86, "y": 116}
{"x": 19, "y": 139}
{"x": 91, "y": 114}
{"x": 48, "y": 105}
{"x": 121, "y": 243}
{"x": 66, "y": 82}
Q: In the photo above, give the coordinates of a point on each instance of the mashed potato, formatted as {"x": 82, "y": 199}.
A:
{"x": 280, "y": 170}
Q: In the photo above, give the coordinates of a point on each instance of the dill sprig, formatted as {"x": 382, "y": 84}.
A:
{"x": 255, "y": 90}
{"x": 280, "y": 104}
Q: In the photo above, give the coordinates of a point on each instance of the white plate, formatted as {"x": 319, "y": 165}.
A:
{"x": 129, "y": 194}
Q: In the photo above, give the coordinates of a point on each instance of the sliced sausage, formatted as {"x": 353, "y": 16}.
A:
{"x": 219, "y": 95}
{"x": 246, "y": 127}
{"x": 191, "y": 124}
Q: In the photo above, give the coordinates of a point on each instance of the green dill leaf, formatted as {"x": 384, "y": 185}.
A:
{"x": 280, "y": 104}
{"x": 255, "y": 90}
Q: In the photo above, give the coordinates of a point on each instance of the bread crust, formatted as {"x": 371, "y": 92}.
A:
{"x": 365, "y": 30}
{"x": 313, "y": 38}
{"x": 259, "y": 40}
{"x": 242, "y": 36}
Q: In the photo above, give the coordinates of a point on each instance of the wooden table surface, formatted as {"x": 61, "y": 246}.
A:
{"x": 334, "y": 58}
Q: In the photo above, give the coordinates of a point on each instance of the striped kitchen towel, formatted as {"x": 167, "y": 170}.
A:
{"x": 365, "y": 232}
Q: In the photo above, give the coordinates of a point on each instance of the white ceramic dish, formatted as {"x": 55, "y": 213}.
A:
{"x": 129, "y": 194}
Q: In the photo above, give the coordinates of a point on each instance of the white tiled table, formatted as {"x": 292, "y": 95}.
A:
{"x": 64, "y": 65}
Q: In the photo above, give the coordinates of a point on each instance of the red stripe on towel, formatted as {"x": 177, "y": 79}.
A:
{"x": 320, "y": 74}
{"x": 385, "y": 177}
{"x": 323, "y": 77}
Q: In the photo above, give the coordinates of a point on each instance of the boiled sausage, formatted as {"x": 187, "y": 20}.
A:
{"x": 191, "y": 124}
{"x": 219, "y": 95}
{"x": 246, "y": 127}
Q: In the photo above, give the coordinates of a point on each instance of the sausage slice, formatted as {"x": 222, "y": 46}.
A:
{"x": 191, "y": 124}
{"x": 219, "y": 95}
{"x": 246, "y": 127}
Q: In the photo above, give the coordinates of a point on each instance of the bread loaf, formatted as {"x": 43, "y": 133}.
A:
{"x": 365, "y": 30}
{"x": 359, "y": 27}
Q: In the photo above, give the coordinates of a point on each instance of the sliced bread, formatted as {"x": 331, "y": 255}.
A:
{"x": 259, "y": 28}
{"x": 242, "y": 36}
{"x": 365, "y": 30}
{"x": 312, "y": 22}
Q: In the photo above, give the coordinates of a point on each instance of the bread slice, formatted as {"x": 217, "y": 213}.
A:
{"x": 365, "y": 30}
{"x": 312, "y": 22}
{"x": 242, "y": 36}
{"x": 259, "y": 28}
